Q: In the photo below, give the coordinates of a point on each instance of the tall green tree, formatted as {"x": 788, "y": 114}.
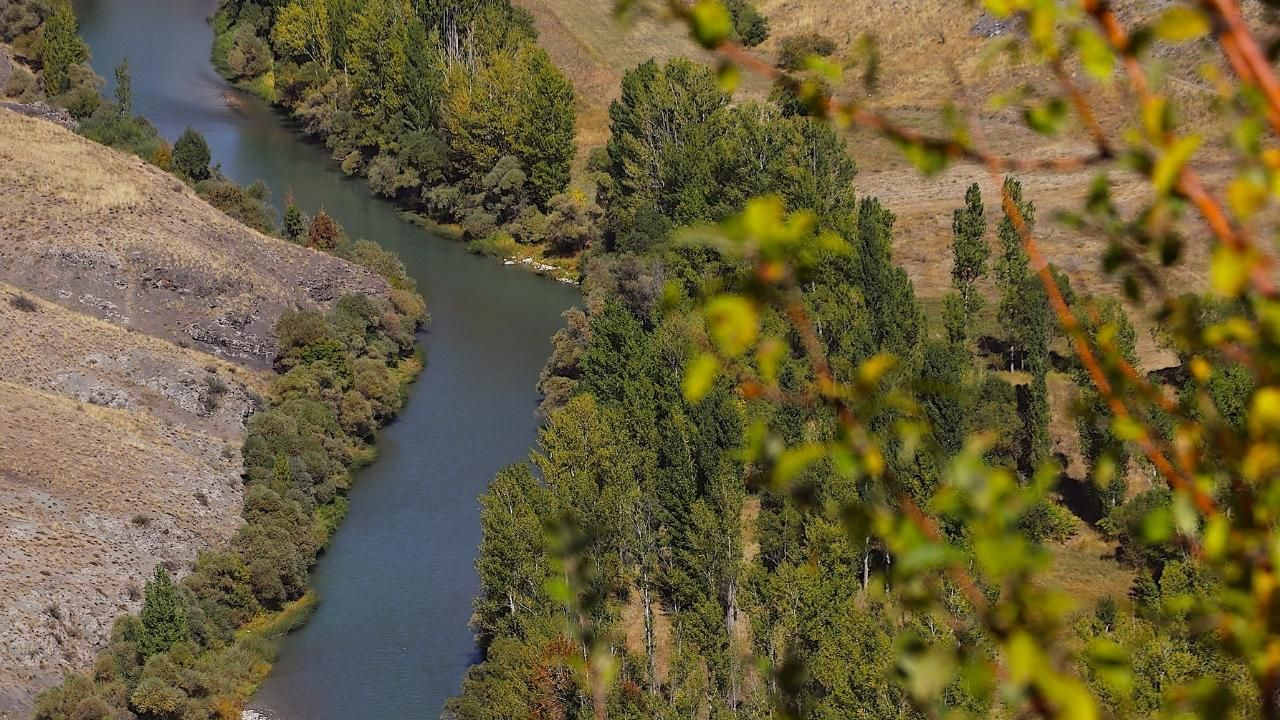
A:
{"x": 545, "y": 144}
{"x": 377, "y": 58}
{"x": 1013, "y": 268}
{"x": 897, "y": 320}
{"x": 124, "y": 89}
{"x": 62, "y": 48}
{"x": 969, "y": 249}
{"x": 304, "y": 29}
{"x": 513, "y": 562}
{"x": 164, "y": 618}
{"x": 1106, "y": 456}
{"x": 515, "y": 104}
{"x": 653, "y": 121}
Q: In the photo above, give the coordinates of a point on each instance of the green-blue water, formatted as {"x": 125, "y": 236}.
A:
{"x": 390, "y": 638}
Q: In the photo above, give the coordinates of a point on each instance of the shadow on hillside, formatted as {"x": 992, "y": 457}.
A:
{"x": 1078, "y": 497}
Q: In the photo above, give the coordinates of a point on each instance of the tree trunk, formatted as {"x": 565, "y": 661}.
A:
{"x": 647, "y": 597}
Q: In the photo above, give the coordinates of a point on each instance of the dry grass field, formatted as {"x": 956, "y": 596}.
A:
{"x": 136, "y": 324}
{"x": 924, "y": 47}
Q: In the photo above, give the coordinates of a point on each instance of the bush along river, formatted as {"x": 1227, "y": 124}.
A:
{"x": 389, "y": 639}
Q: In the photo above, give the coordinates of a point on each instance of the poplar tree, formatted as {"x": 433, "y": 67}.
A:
{"x": 969, "y": 250}
{"x": 897, "y": 319}
{"x": 1106, "y": 457}
{"x": 1012, "y": 270}
{"x": 513, "y": 562}
{"x": 124, "y": 89}
{"x": 1034, "y": 332}
{"x": 377, "y": 58}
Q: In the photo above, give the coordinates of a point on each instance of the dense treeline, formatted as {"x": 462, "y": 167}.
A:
{"x": 634, "y": 536}
{"x": 447, "y": 107}
{"x": 200, "y": 646}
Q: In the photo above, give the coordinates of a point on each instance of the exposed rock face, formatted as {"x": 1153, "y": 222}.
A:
{"x": 42, "y": 110}
{"x": 137, "y": 332}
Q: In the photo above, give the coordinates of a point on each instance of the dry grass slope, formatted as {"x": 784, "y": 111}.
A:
{"x": 136, "y": 324}
{"x": 107, "y": 234}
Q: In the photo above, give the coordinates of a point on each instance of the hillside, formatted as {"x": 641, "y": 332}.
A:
{"x": 106, "y": 234}
{"x": 923, "y": 45}
{"x": 137, "y": 322}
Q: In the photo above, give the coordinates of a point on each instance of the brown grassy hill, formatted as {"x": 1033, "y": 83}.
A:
{"x": 106, "y": 234}
{"x": 137, "y": 329}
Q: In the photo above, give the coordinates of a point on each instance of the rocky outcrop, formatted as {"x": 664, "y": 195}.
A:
{"x": 42, "y": 110}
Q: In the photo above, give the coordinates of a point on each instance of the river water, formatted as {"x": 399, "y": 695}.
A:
{"x": 390, "y": 637}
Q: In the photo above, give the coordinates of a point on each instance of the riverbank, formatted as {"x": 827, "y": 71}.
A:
{"x": 411, "y": 528}
{"x": 492, "y": 210}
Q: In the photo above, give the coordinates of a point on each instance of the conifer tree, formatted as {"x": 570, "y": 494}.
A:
{"x": 63, "y": 48}
{"x": 295, "y": 221}
{"x": 164, "y": 619}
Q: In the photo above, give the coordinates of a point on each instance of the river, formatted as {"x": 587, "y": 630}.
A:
{"x": 389, "y": 639}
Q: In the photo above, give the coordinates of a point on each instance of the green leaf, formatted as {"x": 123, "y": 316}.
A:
{"x": 1165, "y": 174}
{"x": 794, "y": 461}
{"x": 1095, "y": 54}
{"x": 1228, "y": 271}
{"x": 698, "y": 377}
{"x": 928, "y": 159}
{"x": 1181, "y": 23}
{"x": 1157, "y": 526}
{"x": 558, "y": 590}
{"x": 1046, "y": 118}
{"x": 728, "y": 77}
{"x": 734, "y": 323}
{"x": 1110, "y": 661}
{"x": 712, "y": 23}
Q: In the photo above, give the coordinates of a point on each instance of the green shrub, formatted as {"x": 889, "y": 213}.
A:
{"x": 191, "y": 156}
{"x": 749, "y": 25}
{"x": 21, "y": 83}
{"x": 1049, "y": 521}
{"x": 794, "y": 50}
{"x": 498, "y": 244}
{"x": 244, "y": 204}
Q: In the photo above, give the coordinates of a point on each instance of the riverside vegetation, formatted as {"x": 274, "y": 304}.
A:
{"x": 53, "y": 65}
{"x": 448, "y": 108}
{"x": 768, "y": 486}
{"x": 201, "y": 644}
{"x": 199, "y": 647}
